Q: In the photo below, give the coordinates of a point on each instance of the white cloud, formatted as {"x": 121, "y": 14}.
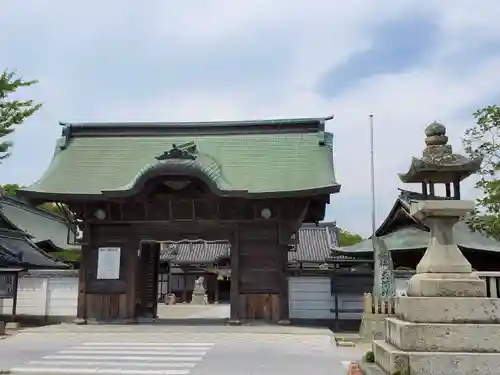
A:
{"x": 47, "y": 39}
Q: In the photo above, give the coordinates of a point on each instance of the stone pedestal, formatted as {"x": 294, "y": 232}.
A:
{"x": 445, "y": 325}
{"x": 199, "y": 299}
{"x": 199, "y": 296}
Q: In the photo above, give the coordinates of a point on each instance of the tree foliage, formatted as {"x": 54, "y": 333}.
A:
{"x": 10, "y": 189}
{"x": 347, "y": 238}
{"x": 483, "y": 140}
{"x": 13, "y": 111}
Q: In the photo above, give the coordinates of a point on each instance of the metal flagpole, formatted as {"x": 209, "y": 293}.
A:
{"x": 372, "y": 160}
{"x": 376, "y": 265}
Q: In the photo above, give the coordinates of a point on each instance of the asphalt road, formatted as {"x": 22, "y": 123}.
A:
{"x": 167, "y": 350}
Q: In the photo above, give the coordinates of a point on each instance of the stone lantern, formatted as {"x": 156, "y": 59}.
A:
{"x": 439, "y": 165}
{"x": 445, "y": 325}
{"x": 443, "y": 270}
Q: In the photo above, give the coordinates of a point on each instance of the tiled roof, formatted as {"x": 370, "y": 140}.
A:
{"x": 8, "y": 258}
{"x": 315, "y": 244}
{"x": 251, "y": 157}
{"x": 194, "y": 251}
{"x": 17, "y": 249}
{"x": 38, "y": 224}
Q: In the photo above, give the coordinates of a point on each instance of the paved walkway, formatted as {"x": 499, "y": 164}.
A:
{"x": 170, "y": 350}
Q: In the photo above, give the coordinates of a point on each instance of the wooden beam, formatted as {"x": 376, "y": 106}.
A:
{"x": 302, "y": 215}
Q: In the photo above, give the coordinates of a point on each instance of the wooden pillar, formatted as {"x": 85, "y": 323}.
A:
{"x": 184, "y": 291}
{"x": 81, "y": 312}
{"x": 284, "y": 303}
{"x": 169, "y": 277}
{"x": 134, "y": 277}
{"x": 235, "y": 278}
{"x": 216, "y": 290}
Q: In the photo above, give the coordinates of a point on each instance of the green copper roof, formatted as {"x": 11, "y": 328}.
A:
{"x": 416, "y": 239}
{"x": 271, "y": 156}
{"x": 410, "y": 234}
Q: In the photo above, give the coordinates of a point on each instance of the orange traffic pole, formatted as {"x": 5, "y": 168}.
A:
{"x": 354, "y": 369}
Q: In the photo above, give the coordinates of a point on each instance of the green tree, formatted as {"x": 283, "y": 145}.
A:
{"x": 483, "y": 140}
{"x": 10, "y": 189}
{"x": 347, "y": 238}
{"x": 12, "y": 111}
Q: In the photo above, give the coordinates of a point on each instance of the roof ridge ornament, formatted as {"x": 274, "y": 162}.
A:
{"x": 185, "y": 151}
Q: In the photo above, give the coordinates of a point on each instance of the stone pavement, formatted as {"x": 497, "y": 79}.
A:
{"x": 170, "y": 350}
{"x": 188, "y": 311}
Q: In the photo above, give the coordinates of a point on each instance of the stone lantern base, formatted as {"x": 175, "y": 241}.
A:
{"x": 445, "y": 325}
{"x": 441, "y": 335}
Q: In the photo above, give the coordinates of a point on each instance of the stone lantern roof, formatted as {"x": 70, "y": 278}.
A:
{"x": 438, "y": 163}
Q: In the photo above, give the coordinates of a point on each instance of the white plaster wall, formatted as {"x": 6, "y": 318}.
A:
{"x": 45, "y": 293}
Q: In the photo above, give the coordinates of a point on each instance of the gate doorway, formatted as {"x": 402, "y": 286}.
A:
{"x": 176, "y": 301}
{"x": 148, "y": 279}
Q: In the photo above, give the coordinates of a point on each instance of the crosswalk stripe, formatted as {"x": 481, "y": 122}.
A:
{"x": 122, "y": 358}
{"x": 72, "y": 370}
{"x": 156, "y": 344}
{"x": 110, "y": 363}
{"x": 135, "y": 352}
{"x": 145, "y": 348}
{"x": 109, "y": 358}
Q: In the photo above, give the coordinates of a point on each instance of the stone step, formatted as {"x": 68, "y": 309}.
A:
{"x": 448, "y": 309}
{"x": 389, "y": 358}
{"x": 456, "y": 363}
{"x": 443, "y": 337}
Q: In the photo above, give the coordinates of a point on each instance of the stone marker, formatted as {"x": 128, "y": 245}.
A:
{"x": 446, "y": 325}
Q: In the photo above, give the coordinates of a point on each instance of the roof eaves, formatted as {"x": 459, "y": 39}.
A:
{"x": 28, "y": 207}
{"x": 308, "y": 124}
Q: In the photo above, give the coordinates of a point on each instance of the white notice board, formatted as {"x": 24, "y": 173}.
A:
{"x": 108, "y": 263}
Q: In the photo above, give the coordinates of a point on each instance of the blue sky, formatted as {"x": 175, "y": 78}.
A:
{"x": 407, "y": 62}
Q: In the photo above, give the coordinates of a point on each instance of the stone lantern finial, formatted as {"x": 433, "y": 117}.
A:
{"x": 439, "y": 165}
